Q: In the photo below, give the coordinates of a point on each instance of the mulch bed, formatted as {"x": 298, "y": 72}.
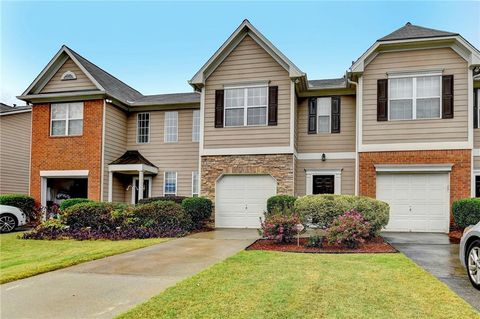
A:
{"x": 376, "y": 245}
{"x": 455, "y": 236}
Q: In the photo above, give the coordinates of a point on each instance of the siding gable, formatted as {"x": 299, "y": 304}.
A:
{"x": 55, "y": 84}
{"x": 248, "y": 62}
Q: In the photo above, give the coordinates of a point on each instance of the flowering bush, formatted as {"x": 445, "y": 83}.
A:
{"x": 280, "y": 227}
{"x": 349, "y": 229}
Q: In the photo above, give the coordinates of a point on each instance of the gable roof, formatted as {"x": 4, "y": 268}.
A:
{"x": 244, "y": 29}
{"x": 411, "y": 31}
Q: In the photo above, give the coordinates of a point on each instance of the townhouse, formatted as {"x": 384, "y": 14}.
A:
{"x": 401, "y": 125}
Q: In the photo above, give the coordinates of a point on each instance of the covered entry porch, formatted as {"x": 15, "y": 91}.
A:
{"x": 133, "y": 164}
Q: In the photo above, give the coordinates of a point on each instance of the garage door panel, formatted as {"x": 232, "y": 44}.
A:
{"x": 418, "y": 202}
{"x": 242, "y": 199}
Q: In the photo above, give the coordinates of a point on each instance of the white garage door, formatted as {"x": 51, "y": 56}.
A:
{"x": 418, "y": 202}
{"x": 241, "y": 199}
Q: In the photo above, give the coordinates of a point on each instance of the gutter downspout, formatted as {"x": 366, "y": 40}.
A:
{"x": 357, "y": 166}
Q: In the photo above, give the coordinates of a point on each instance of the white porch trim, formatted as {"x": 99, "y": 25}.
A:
{"x": 337, "y": 173}
{"x": 132, "y": 167}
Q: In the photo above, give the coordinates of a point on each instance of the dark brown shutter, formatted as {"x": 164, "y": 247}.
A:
{"x": 447, "y": 97}
{"x": 272, "y": 105}
{"x": 475, "y": 108}
{"x": 382, "y": 100}
{"x": 219, "y": 108}
{"x": 312, "y": 115}
{"x": 336, "y": 114}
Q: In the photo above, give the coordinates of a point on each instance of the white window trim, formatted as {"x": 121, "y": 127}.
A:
{"x": 337, "y": 183}
{"x": 134, "y": 181}
{"x": 414, "y": 97}
{"x": 165, "y": 184}
{"x": 193, "y": 126}
{"x": 193, "y": 184}
{"x": 329, "y": 117}
{"x": 244, "y": 107}
{"x": 149, "y": 118}
{"x": 165, "y": 128}
{"x": 67, "y": 119}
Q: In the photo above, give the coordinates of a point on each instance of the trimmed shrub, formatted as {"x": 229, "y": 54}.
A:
{"x": 315, "y": 241}
{"x": 349, "y": 229}
{"x": 176, "y": 199}
{"x": 24, "y": 202}
{"x": 322, "y": 210}
{"x": 90, "y": 214}
{"x": 199, "y": 209}
{"x": 164, "y": 216}
{"x": 466, "y": 212}
{"x": 281, "y": 228}
{"x": 73, "y": 201}
{"x": 280, "y": 202}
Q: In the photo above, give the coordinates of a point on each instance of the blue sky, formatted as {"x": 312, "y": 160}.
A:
{"x": 156, "y": 47}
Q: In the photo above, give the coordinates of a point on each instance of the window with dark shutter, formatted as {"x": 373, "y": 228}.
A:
{"x": 336, "y": 114}
{"x": 475, "y": 107}
{"x": 219, "y": 108}
{"x": 272, "y": 105}
{"x": 312, "y": 115}
{"x": 382, "y": 100}
{"x": 447, "y": 96}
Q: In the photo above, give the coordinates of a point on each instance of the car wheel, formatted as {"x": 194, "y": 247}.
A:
{"x": 8, "y": 223}
{"x": 473, "y": 263}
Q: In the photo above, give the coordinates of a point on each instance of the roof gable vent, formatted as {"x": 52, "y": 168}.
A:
{"x": 69, "y": 75}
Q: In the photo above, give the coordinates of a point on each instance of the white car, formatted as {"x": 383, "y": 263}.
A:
{"x": 470, "y": 253}
{"x": 10, "y": 218}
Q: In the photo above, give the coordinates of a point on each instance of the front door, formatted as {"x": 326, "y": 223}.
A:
{"x": 323, "y": 184}
{"x": 146, "y": 188}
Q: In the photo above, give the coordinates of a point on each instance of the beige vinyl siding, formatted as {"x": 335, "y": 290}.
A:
{"x": 476, "y": 162}
{"x": 415, "y": 131}
{"x": 180, "y": 157}
{"x": 15, "y": 135}
{"x": 115, "y": 146}
{"x": 338, "y": 142}
{"x": 476, "y": 138}
{"x": 248, "y": 62}
{"x": 57, "y": 85}
{"x": 348, "y": 174}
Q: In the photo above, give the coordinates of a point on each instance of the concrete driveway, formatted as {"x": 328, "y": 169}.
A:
{"x": 438, "y": 256}
{"x": 107, "y": 287}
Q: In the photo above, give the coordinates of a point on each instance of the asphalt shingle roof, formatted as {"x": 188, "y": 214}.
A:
{"x": 4, "y": 108}
{"x": 131, "y": 157}
{"x": 165, "y": 99}
{"x": 328, "y": 83}
{"x": 410, "y": 31}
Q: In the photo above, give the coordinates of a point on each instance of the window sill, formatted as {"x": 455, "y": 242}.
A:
{"x": 65, "y": 136}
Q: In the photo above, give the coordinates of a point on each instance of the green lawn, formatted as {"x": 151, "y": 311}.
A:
{"x": 255, "y": 284}
{"x": 21, "y": 258}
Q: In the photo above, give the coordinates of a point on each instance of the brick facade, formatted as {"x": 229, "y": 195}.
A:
{"x": 459, "y": 177}
{"x": 70, "y": 152}
{"x": 280, "y": 166}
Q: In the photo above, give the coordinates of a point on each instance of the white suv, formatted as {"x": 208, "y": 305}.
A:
{"x": 10, "y": 218}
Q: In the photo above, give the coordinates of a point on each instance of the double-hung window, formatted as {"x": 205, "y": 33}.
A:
{"x": 196, "y": 126}
{"x": 246, "y": 106}
{"x": 66, "y": 119}
{"x": 324, "y": 114}
{"x": 195, "y": 184}
{"x": 143, "y": 128}
{"x": 171, "y": 127}
{"x": 415, "y": 97}
{"x": 170, "y": 184}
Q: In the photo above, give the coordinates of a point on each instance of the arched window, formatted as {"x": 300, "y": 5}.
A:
{"x": 69, "y": 75}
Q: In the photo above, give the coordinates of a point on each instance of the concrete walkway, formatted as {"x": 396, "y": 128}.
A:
{"x": 437, "y": 255}
{"x": 107, "y": 287}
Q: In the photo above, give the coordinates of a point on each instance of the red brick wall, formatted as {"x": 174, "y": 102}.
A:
{"x": 459, "y": 177}
{"x": 67, "y": 153}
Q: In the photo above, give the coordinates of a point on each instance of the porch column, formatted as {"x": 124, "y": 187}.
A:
{"x": 140, "y": 185}
{"x": 110, "y": 186}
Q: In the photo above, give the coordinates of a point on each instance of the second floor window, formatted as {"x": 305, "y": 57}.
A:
{"x": 196, "y": 126}
{"x": 143, "y": 128}
{"x": 415, "y": 97}
{"x": 171, "y": 127}
{"x": 66, "y": 119}
{"x": 246, "y": 106}
{"x": 324, "y": 114}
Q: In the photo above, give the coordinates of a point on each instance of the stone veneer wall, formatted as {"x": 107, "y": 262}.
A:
{"x": 280, "y": 166}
